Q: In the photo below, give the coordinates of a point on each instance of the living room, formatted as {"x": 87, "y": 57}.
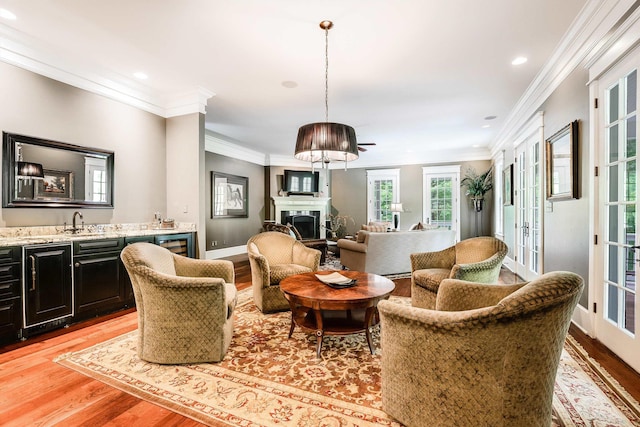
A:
{"x": 164, "y": 161}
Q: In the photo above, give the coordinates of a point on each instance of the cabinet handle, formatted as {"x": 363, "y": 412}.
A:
{"x": 33, "y": 273}
{"x": 77, "y": 264}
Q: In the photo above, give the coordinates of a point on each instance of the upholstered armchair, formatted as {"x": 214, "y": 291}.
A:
{"x": 185, "y": 306}
{"x": 476, "y": 260}
{"x": 486, "y": 356}
{"x": 274, "y": 256}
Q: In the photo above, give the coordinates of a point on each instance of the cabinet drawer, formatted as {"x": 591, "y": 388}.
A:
{"x": 10, "y": 289}
{"x": 9, "y": 271}
{"x": 85, "y": 247}
{"x": 10, "y": 319}
{"x": 10, "y": 254}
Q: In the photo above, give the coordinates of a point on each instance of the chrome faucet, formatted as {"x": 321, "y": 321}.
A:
{"x": 74, "y": 228}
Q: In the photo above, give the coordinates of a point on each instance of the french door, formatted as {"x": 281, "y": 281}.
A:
{"x": 528, "y": 191}
{"x": 616, "y": 319}
{"x": 383, "y": 189}
{"x": 441, "y": 197}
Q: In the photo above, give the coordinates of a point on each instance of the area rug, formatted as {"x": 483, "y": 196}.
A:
{"x": 267, "y": 379}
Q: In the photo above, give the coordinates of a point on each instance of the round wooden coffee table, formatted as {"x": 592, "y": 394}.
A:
{"x": 323, "y": 310}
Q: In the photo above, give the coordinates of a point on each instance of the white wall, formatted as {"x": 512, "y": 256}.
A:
{"x": 38, "y": 106}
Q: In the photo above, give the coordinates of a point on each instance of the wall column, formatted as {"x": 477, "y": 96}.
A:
{"x": 186, "y": 173}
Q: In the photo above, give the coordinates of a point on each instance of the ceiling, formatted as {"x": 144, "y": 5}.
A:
{"x": 416, "y": 77}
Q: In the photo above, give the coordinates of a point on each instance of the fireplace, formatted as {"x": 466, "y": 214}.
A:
{"x": 307, "y": 223}
{"x": 303, "y": 206}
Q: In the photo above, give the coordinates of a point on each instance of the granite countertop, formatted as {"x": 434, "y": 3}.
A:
{"x": 20, "y": 236}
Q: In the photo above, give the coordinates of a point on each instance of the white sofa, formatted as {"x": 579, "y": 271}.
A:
{"x": 388, "y": 253}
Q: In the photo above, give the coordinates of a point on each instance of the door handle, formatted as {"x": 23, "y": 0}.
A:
{"x": 33, "y": 273}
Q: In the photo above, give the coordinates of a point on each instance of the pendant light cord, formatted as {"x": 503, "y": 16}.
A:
{"x": 326, "y": 75}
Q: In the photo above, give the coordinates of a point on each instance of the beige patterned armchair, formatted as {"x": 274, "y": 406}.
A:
{"x": 274, "y": 256}
{"x": 185, "y": 306}
{"x": 476, "y": 260}
{"x": 486, "y": 356}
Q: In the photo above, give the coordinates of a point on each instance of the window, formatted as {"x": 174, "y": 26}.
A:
{"x": 95, "y": 180}
{"x": 382, "y": 190}
{"x": 441, "y": 190}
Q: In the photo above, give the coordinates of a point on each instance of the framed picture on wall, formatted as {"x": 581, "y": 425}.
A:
{"x": 507, "y": 185}
{"x": 562, "y": 164}
{"x": 55, "y": 185}
{"x": 229, "y": 195}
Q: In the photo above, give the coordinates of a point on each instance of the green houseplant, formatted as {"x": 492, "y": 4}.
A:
{"x": 477, "y": 186}
{"x": 338, "y": 226}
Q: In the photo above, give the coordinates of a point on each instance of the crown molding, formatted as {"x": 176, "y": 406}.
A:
{"x": 216, "y": 145}
{"x": 586, "y": 34}
{"x": 30, "y": 54}
{"x": 194, "y": 101}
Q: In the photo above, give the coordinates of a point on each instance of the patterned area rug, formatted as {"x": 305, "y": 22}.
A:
{"x": 269, "y": 380}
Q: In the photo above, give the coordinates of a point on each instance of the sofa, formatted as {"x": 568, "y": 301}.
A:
{"x": 389, "y": 252}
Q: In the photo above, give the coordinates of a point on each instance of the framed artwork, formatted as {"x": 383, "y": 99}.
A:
{"x": 55, "y": 185}
{"x": 507, "y": 185}
{"x": 229, "y": 195}
{"x": 562, "y": 164}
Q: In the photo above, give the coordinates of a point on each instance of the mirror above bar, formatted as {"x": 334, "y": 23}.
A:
{"x": 43, "y": 173}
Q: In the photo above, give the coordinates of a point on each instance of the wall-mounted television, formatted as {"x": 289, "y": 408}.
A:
{"x": 300, "y": 182}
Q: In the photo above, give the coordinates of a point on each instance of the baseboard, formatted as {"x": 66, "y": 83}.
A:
{"x": 509, "y": 264}
{"x": 225, "y": 252}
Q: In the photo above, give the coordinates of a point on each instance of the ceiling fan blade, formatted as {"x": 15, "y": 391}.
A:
{"x": 366, "y": 143}
{"x": 362, "y": 149}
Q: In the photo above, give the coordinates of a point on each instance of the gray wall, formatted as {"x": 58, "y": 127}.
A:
{"x": 37, "y": 106}
{"x": 566, "y": 226}
{"x": 566, "y": 223}
{"x": 349, "y": 197}
{"x": 229, "y": 232}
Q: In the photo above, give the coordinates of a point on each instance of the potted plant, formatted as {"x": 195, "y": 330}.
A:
{"x": 338, "y": 225}
{"x": 477, "y": 186}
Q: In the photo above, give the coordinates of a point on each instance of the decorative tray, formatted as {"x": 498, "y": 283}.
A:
{"x": 336, "y": 280}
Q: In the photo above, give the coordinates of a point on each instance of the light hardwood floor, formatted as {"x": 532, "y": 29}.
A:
{"x": 36, "y": 391}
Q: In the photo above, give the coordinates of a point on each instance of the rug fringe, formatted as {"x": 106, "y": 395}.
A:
{"x": 606, "y": 377}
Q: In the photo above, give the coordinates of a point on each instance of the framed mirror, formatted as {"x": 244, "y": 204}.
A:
{"x": 43, "y": 173}
{"x": 562, "y": 164}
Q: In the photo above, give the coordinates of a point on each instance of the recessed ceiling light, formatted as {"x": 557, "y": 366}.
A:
{"x": 289, "y": 84}
{"x": 486, "y": 126}
{"x": 4, "y": 13}
{"x": 140, "y": 75}
{"x": 476, "y": 145}
{"x": 519, "y": 60}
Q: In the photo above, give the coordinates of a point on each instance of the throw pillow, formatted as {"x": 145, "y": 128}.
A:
{"x": 418, "y": 226}
{"x": 375, "y": 228}
{"x": 360, "y": 237}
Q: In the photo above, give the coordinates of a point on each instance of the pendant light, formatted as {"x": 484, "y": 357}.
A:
{"x": 28, "y": 170}
{"x": 325, "y": 141}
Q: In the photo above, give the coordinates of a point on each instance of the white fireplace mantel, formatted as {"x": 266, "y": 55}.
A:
{"x": 303, "y": 203}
